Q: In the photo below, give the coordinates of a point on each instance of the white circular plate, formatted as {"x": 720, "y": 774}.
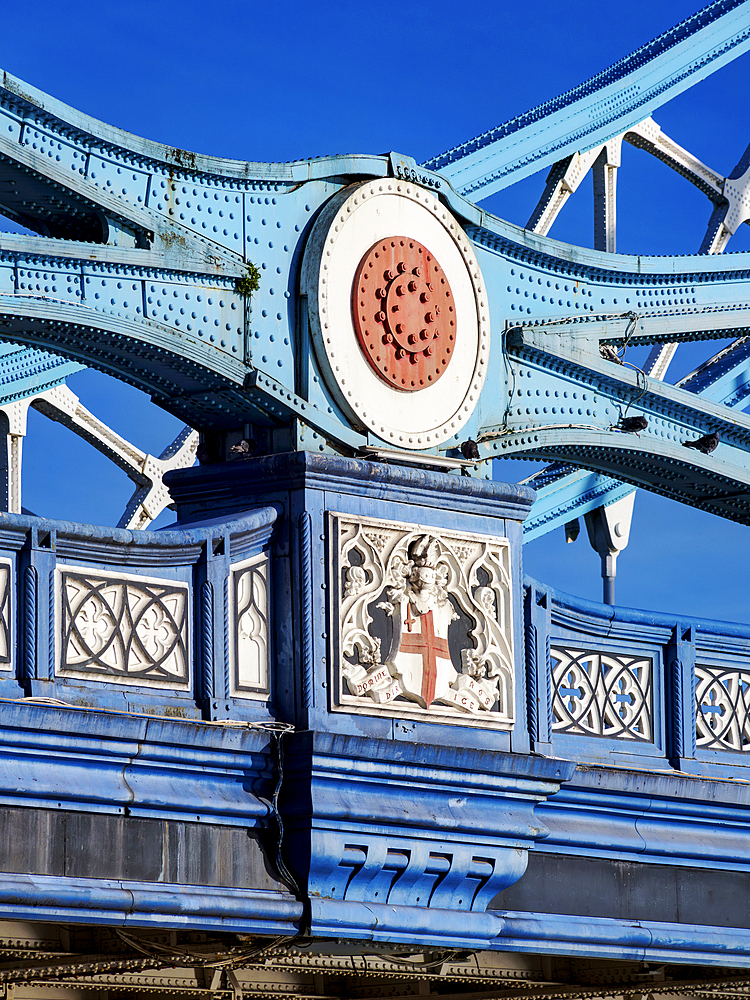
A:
{"x": 344, "y": 232}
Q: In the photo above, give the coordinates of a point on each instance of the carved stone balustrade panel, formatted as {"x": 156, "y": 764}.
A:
{"x": 722, "y": 702}
{"x": 127, "y": 629}
{"x": 602, "y": 694}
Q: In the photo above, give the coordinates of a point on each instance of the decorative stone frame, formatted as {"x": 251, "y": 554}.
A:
{"x": 477, "y": 580}
{"x": 249, "y": 652}
{"x": 7, "y": 617}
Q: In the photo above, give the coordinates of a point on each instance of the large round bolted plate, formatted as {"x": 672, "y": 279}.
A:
{"x": 403, "y": 312}
{"x": 424, "y": 321}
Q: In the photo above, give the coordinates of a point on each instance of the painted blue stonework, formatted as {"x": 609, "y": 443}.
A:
{"x": 394, "y": 830}
{"x": 177, "y": 778}
{"x": 303, "y": 488}
{"x": 378, "y": 829}
{"x": 178, "y": 748}
{"x": 39, "y": 551}
{"x": 682, "y": 651}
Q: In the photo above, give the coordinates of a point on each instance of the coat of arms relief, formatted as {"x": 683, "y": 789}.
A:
{"x": 425, "y": 621}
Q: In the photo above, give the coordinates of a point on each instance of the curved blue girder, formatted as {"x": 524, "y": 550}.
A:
{"x": 565, "y": 492}
{"x": 25, "y": 371}
{"x": 602, "y": 107}
{"x": 146, "y": 255}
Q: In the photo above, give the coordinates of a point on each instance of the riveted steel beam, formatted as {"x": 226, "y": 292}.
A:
{"x": 603, "y": 107}
{"x": 565, "y": 492}
{"x": 189, "y": 284}
{"x": 583, "y": 429}
{"x": 572, "y": 489}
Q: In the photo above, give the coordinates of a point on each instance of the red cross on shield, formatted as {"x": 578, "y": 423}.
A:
{"x": 426, "y": 644}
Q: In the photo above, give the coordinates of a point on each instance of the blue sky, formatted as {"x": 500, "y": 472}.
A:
{"x": 291, "y": 80}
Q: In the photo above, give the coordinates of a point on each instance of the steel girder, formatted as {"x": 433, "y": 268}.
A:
{"x": 603, "y": 107}
{"x": 146, "y": 261}
{"x": 146, "y": 472}
{"x": 561, "y": 492}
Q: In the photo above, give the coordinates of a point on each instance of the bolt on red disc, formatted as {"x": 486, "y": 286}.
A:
{"x": 404, "y": 313}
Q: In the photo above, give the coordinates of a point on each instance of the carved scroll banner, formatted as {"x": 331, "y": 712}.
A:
{"x": 425, "y": 622}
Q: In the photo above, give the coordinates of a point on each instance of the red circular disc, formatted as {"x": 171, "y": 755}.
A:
{"x": 404, "y": 313}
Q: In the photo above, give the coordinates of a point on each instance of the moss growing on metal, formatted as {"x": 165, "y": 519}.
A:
{"x": 249, "y": 282}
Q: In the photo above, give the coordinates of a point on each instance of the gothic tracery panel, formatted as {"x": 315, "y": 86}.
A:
{"x": 601, "y": 694}
{"x": 6, "y": 615}
{"x": 130, "y": 630}
{"x": 250, "y": 630}
{"x": 722, "y": 702}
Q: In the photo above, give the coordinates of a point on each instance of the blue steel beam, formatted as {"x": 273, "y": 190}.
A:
{"x": 185, "y": 227}
{"x": 603, "y": 107}
{"x": 725, "y": 378}
{"x": 139, "y": 315}
{"x": 564, "y": 493}
{"x": 25, "y": 371}
{"x": 567, "y": 495}
{"x": 657, "y": 459}
{"x": 689, "y": 297}
{"x": 132, "y": 312}
{"x": 673, "y": 316}
{"x": 87, "y": 282}
{"x": 149, "y": 255}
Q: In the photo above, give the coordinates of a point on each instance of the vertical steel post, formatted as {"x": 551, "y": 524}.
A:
{"x": 609, "y": 531}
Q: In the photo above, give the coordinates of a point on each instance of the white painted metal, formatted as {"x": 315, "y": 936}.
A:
{"x": 609, "y": 533}
{"x": 731, "y": 197}
{"x": 15, "y": 417}
{"x": 149, "y": 500}
{"x": 565, "y": 178}
{"x": 658, "y": 360}
{"x": 649, "y": 136}
{"x": 343, "y": 234}
{"x": 62, "y": 405}
{"x": 736, "y": 207}
{"x": 562, "y": 181}
{"x": 605, "y": 196}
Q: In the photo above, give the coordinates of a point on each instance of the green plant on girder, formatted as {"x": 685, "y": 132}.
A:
{"x": 250, "y": 282}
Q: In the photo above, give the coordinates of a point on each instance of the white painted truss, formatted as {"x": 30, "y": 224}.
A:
{"x": 146, "y": 471}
